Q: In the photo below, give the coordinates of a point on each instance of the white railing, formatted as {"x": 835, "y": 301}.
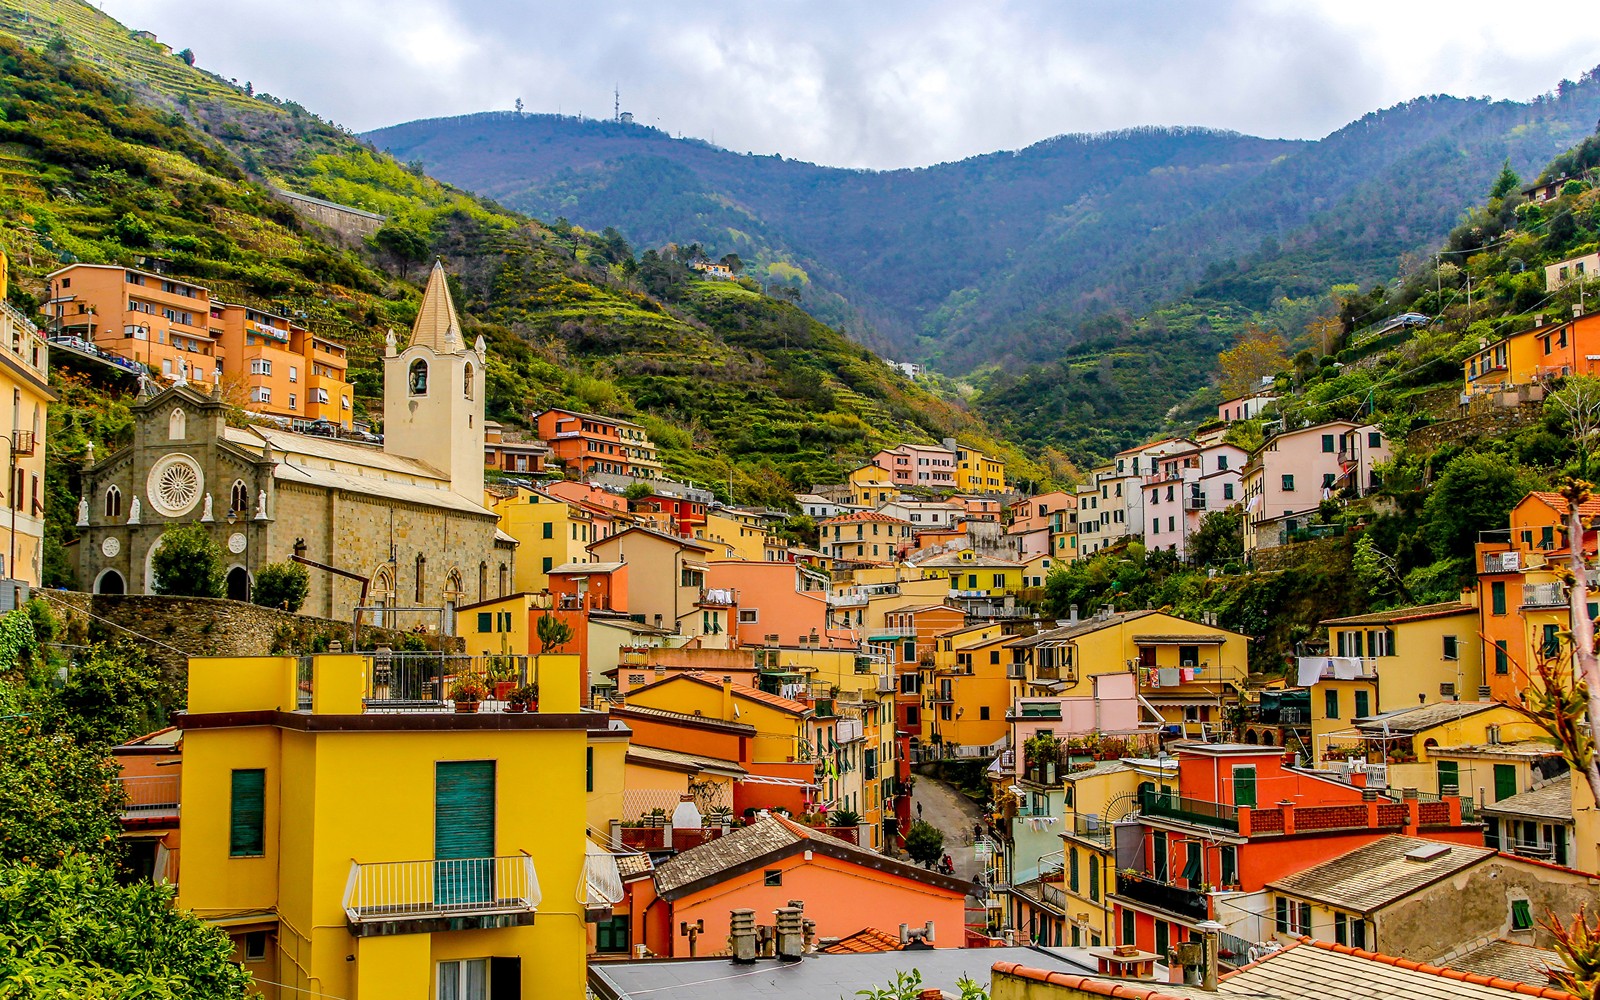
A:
{"x": 1544, "y": 595}
{"x": 1502, "y": 562}
{"x": 408, "y": 890}
{"x": 602, "y": 879}
{"x": 150, "y": 794}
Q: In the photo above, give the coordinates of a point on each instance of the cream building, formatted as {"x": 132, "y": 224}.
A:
{"x": 403, "y": 525}
{"x": 24, "y": 378}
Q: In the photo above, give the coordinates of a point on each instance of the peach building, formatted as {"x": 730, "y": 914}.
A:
{"x": 180, "y": 332}
{"x": 588, "y": 443}
{"x": 773, "y": 602}
{"x": 1294, "y": 471}
{"x": 24, "y": 380}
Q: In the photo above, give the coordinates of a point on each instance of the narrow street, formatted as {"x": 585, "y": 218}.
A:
{"x": 954, "y": 814}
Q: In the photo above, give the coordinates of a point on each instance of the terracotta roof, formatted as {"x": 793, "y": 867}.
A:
{"x": 868, "y": 939}
{"x": 437, "y": 324}
{"x": 1398, "y": 615}
{"x": 687, "y": 543}
{"x": 634, "y": 865}
{"x": 683, "y": 761}
{"x": 771, "y": 839}
{"x": 1553, "y": 800}
{"x": 1203, "y": 639}
{"x": 684, "y": 718}
{"x": 1338, "y": 972}
{"x": 1558, "y": 503}
{"x": 1124, "y": 989}
{"x": 1377, "y": 875}
{"x": 1511, "y": 960}
{"x": 1415, "y": 720}
{"x": 863, "y": 515}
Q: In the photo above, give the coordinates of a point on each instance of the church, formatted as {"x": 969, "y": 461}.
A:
{"x": 401, "y": 525}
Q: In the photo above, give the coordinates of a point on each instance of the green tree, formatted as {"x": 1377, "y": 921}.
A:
{"x": 113, "y": 696}
{"x": 281, "y": 585}
{"x": 76, "y": 918}
{"x": 1474, "y": 493}
{"x": 187, "y": 55}
{"x": 189, "y": 563}
{"x": 1506, "y": 183}
{"x": 57, "y": 796}
{"x": 924, "y": 842}
{"x": 553, "y": 633}
{"x": 637, "y": 491}
{"x": 405, "y": 244}
{"x": 1219, "y": 539}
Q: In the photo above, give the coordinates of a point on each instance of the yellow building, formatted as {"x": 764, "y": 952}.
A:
{"x": 549, "y": 531}
{"x": 970, "y": 690}
{"x": 499, "y": 626}
{"x": 24, "y": 378}
{"x": 780, "y": 723}
{"x": 977, "y": 473}
{"x": 1392, "y": 660}
{"x": 1446, "y": 743}
{"x": 741, "y": 538}
{"x": 871, "y": 486}
{"x": 365, "y": 838}
{"x": 974, "y": 576}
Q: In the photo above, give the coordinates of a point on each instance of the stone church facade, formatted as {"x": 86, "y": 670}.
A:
{"x": 404, "y": 522}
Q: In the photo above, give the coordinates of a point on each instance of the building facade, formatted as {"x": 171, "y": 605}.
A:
{"x": 24, "y": 382}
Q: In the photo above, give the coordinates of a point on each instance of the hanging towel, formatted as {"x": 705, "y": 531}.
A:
{"x": 1346, "y": 668}
{"x": 1186, "y": 674}
{"x": 1310, "y": 670}
{"x": 1169, "y": 676}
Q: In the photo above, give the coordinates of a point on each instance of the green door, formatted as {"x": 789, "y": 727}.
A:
{"x": 463, "y": 833}
{"x": 1244, "y": 786}
{"x": 1505, "y": 781}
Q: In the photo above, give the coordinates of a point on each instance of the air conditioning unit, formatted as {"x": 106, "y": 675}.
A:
{"x": 1483, "y": 692}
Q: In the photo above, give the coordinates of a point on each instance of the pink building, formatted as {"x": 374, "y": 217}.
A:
{"x": 1296, "y": 470}
{"x": 1185, "y": 487}
{"x": 1112, "y": 710}
{"x": 773, "y": 601}
{"x": 918, "y": 465}
{"x": 1247, "y": 407}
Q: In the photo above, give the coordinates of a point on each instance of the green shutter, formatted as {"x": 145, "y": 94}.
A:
{"x": 1502, "y": 662}
{"x": 1072, "y": 869}
{"x": 1362, "y": 705}
{"x": 588, "y": 769}
{"x": 1129, "y": 930}
{"x": 1244, "y": 786}
{"x": 1505, "y": 781}
{"x": 1521, "y": 915}
{"x": 1192, "y": 865}
{"x": 485, "y": 621}
{"x": 1449, "y": 774}
{"x": 1230, "y": 864}
{"x": 1283, "y": 915}
{"x": 247, "y": 821}
{"x": 1163, "y": 939}
{"x": 1330, "y": 703}
{"x": 1497, "y": 597}
{"x": 1158, "y": 859}
{"x": 463, "y": 828}
{"x": 1094, "y": 875}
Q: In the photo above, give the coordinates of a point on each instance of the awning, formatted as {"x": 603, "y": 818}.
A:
{"x": 767, "y": 779}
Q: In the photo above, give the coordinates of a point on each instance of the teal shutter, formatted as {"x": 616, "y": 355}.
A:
{"x": 1094, "y": 876}
{"x": 1362, "y": 705}
{"x": 1244, "y": 786}
{"x": 1505, "y": 781}
{"x": 485, "y": 621}
{"x": 1129, "y": 931}
{"x": 1192, "y": 865}
{"x": 1072, "y": 869}
{"x": 247, "y": 819}
{"x": 463, "y": 831}
{"x": 1449, "y": 775}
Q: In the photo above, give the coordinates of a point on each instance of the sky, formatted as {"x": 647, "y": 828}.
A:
{"x": 876, "y": 84}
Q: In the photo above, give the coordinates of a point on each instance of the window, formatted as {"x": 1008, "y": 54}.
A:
{"x": 1163, "y": 937}
{"x": 1362, "y": 705}
{"x": 1550, "y": 642}
{"x": 1327, "y": 443}
{"x": 1227, "y": 491}
{"x": 1222, "y": 462}
{"x": 319, "y": 395}
{"x": 1374, "y": 439}
{"x": 772, "y": 876}
{"x": 294, "y": 401}
{"x": 1292, "y": 917}
{"x": 485, "y": 621}
{"x": 1330, "y": 704}
{"x": 1128, "y": 927}
{"x": 1158, "y": 856}
{"x": 983, "y": 713}
{"x": 1521, "y": 915}
{"x": 1072, "y": 869}
{"x": 255, "y": 946}
{"x": 1192, "y": 864}
{"x": 1502, "y": 661}
{"x": 1505, "y": 781}
{"x": 1452, "y": 648}
{"x": 466, "y": 381}
{"x": 1094, "y": 879}
{"x": 261, "y": 366}
{"x": 1497, "y": 596}
{"x": 1288, "y": 484}
{"x": 247, "y": 819}
{"x": 465, "y": 979}
{"x": 1449, "y": 775}
{"x": 1327, "y": 480}
{"x": 548, "y": 530}
{"x": 1229, "y": 856}
{"x": 113, "y": 502}
{"x": 749, "y": 616}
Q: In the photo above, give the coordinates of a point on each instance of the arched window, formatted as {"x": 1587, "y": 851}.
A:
{"x": 177, "y": 424}
{"x": 502, "y": 580}
{"x": 466, "y": 381}
{"x": 239, "y": 497}
{"x": 417, "y": 381}
{"x": 380, "y": 594}
{"x": 483, "y": 581}
{"x": 113, "y": 502}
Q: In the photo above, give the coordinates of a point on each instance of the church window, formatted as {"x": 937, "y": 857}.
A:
{"x": 113, "y": 502}
{"x": 418, "y": 379}
{"x": 466, "y": 381}
{"x": 239, "y": 497}
{"x": 483, "y": 581}
{"x": 177, "y": 425}
{"x": 422, "y": 566}
{"x": 502, "y": 579}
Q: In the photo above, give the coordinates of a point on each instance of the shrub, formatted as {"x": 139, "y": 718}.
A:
{"x": 282, "y": 585}
{"x": 924, "y": 842}
{"x": 188, "y": 563}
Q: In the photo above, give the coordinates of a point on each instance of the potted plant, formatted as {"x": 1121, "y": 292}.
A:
{"x": 522, "y": 698}
{"x": 468, "y": 694}
{"x": 502, "y": 675}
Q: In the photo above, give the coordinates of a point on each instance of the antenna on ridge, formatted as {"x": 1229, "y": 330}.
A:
{"x": 616, "y": 103}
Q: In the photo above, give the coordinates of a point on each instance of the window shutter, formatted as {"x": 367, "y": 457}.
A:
{"x": 1191, "y": 866}
{"x": 1283, "y": 915}
{"x": 1072, "y": 869}
{"x": 505, "y": 978}
{"x": 1305, "y": 918}
{"x": 247, "y": 817}
{"x": 1244, "y": 786}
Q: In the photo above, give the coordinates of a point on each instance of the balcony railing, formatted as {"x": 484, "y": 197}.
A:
{"x": 411, "y": 890}
{"x": 1092, "y": 828}
{"x": 424, "y": 682}
{"x": 602, "y": 879}
{"x": 1166, "y": 805}
{"x": 1502, "y": 562}
{"x": 152, "y": 795}
{"x": 1544, "y": 595}
{"x": 1195, "y": 503}
{"x": 1164, "y": 896}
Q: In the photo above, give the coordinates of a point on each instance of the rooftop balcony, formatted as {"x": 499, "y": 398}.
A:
{"x": 150, "y": 796}
{"x": 391, "y": 891}
{"x": 1173, "y": 899}
{"x": 1199, "y": 812}
{"x": 1544, "y": 595}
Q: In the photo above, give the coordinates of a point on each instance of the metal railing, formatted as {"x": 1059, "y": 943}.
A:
{"x": 427, "y": 681}
{"x": 1544, "y": 595}
{"x": 1165, "y": 896}
{"x": 151, "y": 795}
{"x": 409, "y": 890}
{"x": 602, "y": 880}
{"x": 1167, "y": 805}
{"x": 1091, "y": 828}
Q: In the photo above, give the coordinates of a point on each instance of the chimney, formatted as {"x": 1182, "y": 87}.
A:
{"x": 791, "y": 933}
{"x": 1072, "y": 615}
{"x": 727, "y": 698}
{"x": 742, "y": 936}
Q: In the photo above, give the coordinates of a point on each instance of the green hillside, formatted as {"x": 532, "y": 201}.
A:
{"x": 173, "y": 172}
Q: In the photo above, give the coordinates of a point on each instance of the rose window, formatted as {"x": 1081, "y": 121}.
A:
{"x": 175, "y": 485}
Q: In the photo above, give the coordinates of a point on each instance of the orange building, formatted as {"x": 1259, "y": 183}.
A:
{"x": 586, "y": 443}
{"x": 151, "y": 779}
{"x": 761, "y": 867}
{"x": 772, "y": 601}
{"x": 1549, "y": 350}
{"x": 511, "y": 455}
{"x": 177, "y": 330}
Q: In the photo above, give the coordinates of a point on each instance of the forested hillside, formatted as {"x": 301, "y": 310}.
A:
{"x": 161, "y": 165}
{"x": 1117, "y": 263}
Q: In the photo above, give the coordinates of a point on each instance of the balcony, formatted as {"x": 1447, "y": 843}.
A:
{"x": 887, "y": 685}
{"x": 1164, "y": 896}
{"x": 1182, "y": 809}
{"x": 150, "y": 797}
{"x": 426, "y": 682}
{"x": 602, "y": 881}
{"x": 1195, "y": 503}
{"x": 1502, "y": 562}
{"x": 1544, "y": 595}
{"x": 1092, "y": 828}
{"x": 392, "y": 891}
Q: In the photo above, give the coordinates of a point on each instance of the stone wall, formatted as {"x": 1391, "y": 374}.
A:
{"x": 181, "y": 627}
{"x": 350, "y": 223}
{"x": 1488, "y": 416}
{"x": 1326, "y": 553}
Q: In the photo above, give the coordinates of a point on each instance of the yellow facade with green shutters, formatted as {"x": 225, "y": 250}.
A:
{"x": 383, "y": 841}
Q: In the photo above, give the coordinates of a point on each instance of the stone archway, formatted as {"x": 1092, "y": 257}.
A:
{"x": 238, "y": 584}
{"x": 110, "y": 582}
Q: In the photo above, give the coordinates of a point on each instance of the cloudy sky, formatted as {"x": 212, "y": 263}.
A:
{"x": 876, "y": 84}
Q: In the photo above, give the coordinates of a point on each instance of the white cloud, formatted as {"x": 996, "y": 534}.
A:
{"x": 882, "y": 85}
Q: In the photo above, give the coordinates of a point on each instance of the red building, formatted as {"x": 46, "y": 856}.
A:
{"x": 683, "y": 514}
{"x": 1240, "y": 818}
{"x": 586, "y": 443}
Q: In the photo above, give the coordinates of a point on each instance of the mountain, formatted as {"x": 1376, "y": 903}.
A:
{"x": 1121, "y": 261}
{"x": 115, "y": 150}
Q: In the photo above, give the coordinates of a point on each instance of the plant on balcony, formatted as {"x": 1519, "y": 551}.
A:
{"x": 844, "y": 817}
{"x": 553, "y": 633}
{"x": 523, "y": 698}
{"x": 468, "y": 693}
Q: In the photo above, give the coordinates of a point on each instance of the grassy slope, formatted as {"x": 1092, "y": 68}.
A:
{"x": 732, "y": 383}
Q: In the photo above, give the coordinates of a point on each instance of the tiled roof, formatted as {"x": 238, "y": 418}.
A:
{"x": 739, "y": 691}
{"x": 1412, "y": 614}
{"x": 863, "y": 515}
{"x": 633, "y": 865}
{"x": 743, "y": 728}
{"x": 1522, "y": 963}
{"x": 1557, "y": 502}
{"x": 770, "y": 839}
{"x": 1551, "y": 801}
{"x": 1124, "y": 989}
{"x": 1415, "y": 720}
{"x": 1201, "y": 639}
{"x": 953, "y": 560}
{"x": 1372, "y": 877}
{"x": 677, "y": 759}
{"x": 868, "y": 939}
{"x": 1083, "y": 627}
{"x": 1338, "y": 972}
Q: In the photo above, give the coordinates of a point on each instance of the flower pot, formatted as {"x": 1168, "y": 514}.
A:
{"x": 516, "y": 707}
{"x": 503, "y": 688}
{"x": 466, "y": 707}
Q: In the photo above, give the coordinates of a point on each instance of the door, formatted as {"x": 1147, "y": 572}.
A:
{"x": 463, "y": 833}
{"x": 1244, "y": 786}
